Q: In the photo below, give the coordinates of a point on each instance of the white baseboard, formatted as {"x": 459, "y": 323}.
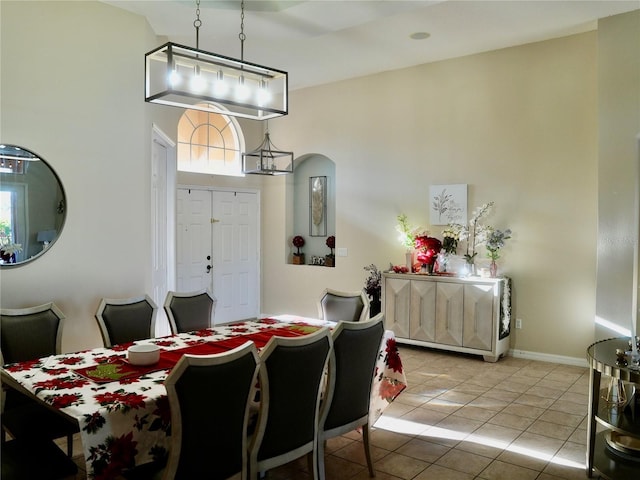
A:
{"x": 546, "y": 357}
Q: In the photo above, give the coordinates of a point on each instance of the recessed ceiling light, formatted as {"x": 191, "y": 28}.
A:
{"x": 419, "y": 35}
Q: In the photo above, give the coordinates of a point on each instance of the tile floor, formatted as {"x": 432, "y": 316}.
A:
{"x": 464, "y": 419}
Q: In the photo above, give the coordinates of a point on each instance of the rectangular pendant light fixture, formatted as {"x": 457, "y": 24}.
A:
{"x": 186, "y": 77}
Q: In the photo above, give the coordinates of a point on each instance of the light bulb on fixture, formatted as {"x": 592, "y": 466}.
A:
{"x": 242, "y": 90}
{"x": 174, "y": 78}
{"x": 220, "y": 87}
{"x": 263, "y": 95}
{"x": 197, "y": 82}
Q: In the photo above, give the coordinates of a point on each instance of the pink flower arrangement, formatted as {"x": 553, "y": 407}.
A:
{"x": 428, "y": 249}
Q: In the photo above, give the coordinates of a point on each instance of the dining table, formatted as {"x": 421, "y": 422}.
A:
{"x": 123, "y": 410}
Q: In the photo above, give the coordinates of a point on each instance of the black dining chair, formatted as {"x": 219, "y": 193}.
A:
{"x": 189, "y": 311}
{"x": 126, "y": 320}
{"x": 28, "y": 334}
{"x": 356, "y": 346}
{"x": 291, "y": 387}
{"x": 335, "y": 306}
{"x": 210, "y": 397}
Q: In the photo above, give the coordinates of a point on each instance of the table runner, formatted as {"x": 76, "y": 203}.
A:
{"x": 117, "y": 368}
{"x": 126, "y": 422}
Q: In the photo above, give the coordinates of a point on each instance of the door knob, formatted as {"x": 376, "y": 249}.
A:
{"x": 208, "y": 268}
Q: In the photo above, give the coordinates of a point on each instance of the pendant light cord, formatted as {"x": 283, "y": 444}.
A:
{"x": 197, "y": 23}
{"x": 242, "y": 36}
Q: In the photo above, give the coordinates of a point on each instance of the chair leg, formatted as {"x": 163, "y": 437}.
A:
{"x": 367, "y": 449}
{"x": 320, "y": 460}
{"x": 312, "y": 460}
{"x": 70, "y": 445}
{"x": 253, "y": 473}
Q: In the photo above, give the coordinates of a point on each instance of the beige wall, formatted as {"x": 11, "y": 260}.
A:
{"x": 72, "y": 91}
{"x": 619, "y": 138}
{"x": 69, "y": 80}
{"x": 519, "y": 126}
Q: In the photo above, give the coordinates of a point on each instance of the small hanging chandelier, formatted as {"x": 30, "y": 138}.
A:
{"x": 187, "y": 77}
{"x": 267, "y": 159}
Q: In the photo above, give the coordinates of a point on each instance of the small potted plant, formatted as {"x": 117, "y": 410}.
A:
{"x": 330, "y": 260}
{"x": 298, "y": 257}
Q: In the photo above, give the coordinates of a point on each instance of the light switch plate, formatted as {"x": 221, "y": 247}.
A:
{"x": 341, "y": 252}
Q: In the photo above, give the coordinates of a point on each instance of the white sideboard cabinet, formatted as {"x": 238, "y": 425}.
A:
{"x": 466, "y": 314}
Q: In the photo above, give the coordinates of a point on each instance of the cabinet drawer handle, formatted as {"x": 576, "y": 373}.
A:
{"x": 475, "y": 318}
{"x": 448, "y": 316}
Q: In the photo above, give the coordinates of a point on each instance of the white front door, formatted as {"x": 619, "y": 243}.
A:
{"x": 218, "y": 239}
{"x": 235, "y": 267}
{"x": 194, "y": 246}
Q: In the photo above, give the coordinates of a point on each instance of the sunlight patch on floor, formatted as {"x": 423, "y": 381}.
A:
{"x": 398, "y": 425}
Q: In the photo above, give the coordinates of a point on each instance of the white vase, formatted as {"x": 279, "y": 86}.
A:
{"x": 409, "y": 260}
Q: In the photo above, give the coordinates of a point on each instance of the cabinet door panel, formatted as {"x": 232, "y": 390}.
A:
{"x": 397, "y": 297}
{"x": 478, "y": 316}
{"x": 423, "y": 311}
{"x": 449, "y": 309}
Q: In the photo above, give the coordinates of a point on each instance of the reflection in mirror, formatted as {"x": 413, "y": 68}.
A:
{"x": 32, "y": 206}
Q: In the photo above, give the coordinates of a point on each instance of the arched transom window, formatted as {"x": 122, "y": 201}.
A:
{"x": 209, "y": 143}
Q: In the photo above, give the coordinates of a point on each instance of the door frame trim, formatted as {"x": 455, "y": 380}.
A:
{"x": 161, "y": 138}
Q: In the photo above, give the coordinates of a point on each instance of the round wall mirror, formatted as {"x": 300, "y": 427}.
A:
{"x": 32, "y": 206}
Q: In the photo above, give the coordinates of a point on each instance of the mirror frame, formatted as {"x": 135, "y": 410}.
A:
{"x": 61, "y": 208}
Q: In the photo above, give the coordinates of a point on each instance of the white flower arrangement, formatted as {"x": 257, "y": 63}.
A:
{"x": 475, "y": 233}
{"x": 450, "y": 239}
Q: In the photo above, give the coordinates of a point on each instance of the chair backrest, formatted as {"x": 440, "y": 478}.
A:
{"x": 336, "y": 306}
{"x": 356, "y": 346}
{"x": 126, "y": 320}
{"x": 209, "y": 396}
{"x": 189, "y": 311}
{"x": 291, "y": 386}
{"x": 30, "y": 333}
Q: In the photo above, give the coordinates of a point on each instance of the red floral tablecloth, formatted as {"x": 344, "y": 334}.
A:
{"x": 125, "y": 422}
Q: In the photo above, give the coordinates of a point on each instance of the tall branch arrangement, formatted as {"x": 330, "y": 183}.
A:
{"x": 408, "y": 233}
{"x": 475, "y": 232}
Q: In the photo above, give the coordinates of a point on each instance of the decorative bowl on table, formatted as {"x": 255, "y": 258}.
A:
{"x": 144, "y": 354}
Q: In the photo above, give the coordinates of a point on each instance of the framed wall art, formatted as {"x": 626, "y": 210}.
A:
{"x": 318, "y": 206}
{"x": 448, "y": 204}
